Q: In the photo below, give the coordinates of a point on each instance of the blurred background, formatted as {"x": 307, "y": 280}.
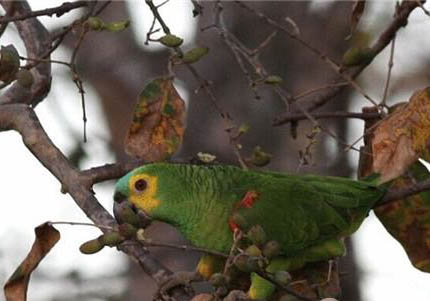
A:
{"x": 115, "y": 67}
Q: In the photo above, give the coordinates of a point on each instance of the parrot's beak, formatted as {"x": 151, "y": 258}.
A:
{"x": 122, "y": 209}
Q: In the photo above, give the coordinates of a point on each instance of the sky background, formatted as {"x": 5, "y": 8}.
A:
{"x": 387, "y": 273}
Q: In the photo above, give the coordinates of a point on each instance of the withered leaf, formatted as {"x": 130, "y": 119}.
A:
{"x": 408, "y": 220}
{"x": 403, "y": 137}
{"x": 15, "y": 288}
{"x": 158, "y": 123}
{"x": 356, "y": 13}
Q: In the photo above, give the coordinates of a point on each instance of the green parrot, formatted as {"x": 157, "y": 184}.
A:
{"x": 307, "y": 215}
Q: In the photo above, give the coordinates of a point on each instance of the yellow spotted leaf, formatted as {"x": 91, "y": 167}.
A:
{"x": 15, "y": 288}
{"x": 403, "y": 137}
{"x": 158, "y": 123}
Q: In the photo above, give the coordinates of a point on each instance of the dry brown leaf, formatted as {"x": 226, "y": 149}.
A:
{"x": 158, "y": 122}
{"x": 356, "y": 13}
{"x": 408, "y": 219}
{"x": 15, "y": 288}
{"x": 403, "y": 137}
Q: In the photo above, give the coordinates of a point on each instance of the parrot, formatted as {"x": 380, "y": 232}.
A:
{"x": 307, "y": 215}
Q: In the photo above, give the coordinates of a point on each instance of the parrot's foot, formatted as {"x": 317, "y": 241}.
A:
{"x": 179, "y": 278}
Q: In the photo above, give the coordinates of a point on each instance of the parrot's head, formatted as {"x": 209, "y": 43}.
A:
{"x": 147, "y": 187}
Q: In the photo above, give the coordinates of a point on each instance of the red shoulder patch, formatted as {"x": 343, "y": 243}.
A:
{"x": 233, "y": 226}
{"x": 249, "y": 199}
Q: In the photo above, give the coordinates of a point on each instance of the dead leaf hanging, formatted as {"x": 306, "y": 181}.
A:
{"x": 15, "y": 288}
{"x": 158, "y": 123}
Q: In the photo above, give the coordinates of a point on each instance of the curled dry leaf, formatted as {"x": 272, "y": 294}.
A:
{"x": 16, "y": 286}
{"x": 402, "y": 138}
{"x": 158, "y": 122}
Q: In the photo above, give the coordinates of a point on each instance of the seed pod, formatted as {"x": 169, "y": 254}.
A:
{"x": 241, "y": 262}
{"x": 127, "y": 230}
{"x": 24, "y": 78}
{"x": 240, "y": 221}
{"x": 91, "y": 246}
{"x": 116, "y": 26}
{"x": 260, "y": 158}
{"x": 257, "y": 235}
{"x": 254, "y": 263}
{"x": 218, "y": 280}
{"x": 253, "y": 250}
{"x": 194, "y": 55}
{"x": 283, "y": 277}
{"x": 111, "y": 239}
{"x": 171, "y": 40}
{"x": 273, "y": 80}
{"x": 356, "y": 56}
{"x": 271, "y": 249}
{"x": 127, "y": 215}
{"x": 95, "y": 23}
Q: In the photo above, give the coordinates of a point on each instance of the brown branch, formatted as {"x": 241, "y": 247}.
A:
{"x": 399, "y": 194}
{"x": 36, "y": 40}
{"x": 338, "y": 114}
{"x": 58, "y": 11}
{"x": 109, "y": 171}
{"x": 23, "y": 119}
{"x": 400, "y": 20}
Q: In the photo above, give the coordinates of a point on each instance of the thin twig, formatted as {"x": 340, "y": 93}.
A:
{"x": 313, "y": 90}
{"x": 109, "y": 228}
{"x": 335, "y": 66}
{"x": 390, "y": 67}
{"x": 336, "y": 114}
{"x": 400, "y": 20}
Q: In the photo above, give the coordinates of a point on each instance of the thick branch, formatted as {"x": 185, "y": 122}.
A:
{"x": 23, "y": 119}
{"x": 58, "y": 11}
{"x": 36, "y": 40}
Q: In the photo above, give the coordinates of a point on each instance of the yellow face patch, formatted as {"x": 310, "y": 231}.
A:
{"x": 142, "y": 189}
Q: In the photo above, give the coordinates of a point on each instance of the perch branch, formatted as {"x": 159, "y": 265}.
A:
{"x": 23, "y": 119}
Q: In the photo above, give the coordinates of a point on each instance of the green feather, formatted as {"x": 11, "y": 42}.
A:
{"x": 305, "y": 214}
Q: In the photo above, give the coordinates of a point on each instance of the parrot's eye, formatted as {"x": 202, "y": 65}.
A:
{"x": 140, "y": 185}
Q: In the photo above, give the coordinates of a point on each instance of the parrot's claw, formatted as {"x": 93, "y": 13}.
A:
{"x": 179, "y": 278}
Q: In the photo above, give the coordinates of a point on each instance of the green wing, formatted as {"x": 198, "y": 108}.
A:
{"x": 302, "y": 211}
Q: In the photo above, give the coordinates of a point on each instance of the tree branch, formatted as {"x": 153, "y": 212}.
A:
{"x": 58, "y": 11}
{"x": 399, "y": 194}
{"x": 23, "y": 119}
{"x": 322, "y": 115}
{"x": 400, "y": 20}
